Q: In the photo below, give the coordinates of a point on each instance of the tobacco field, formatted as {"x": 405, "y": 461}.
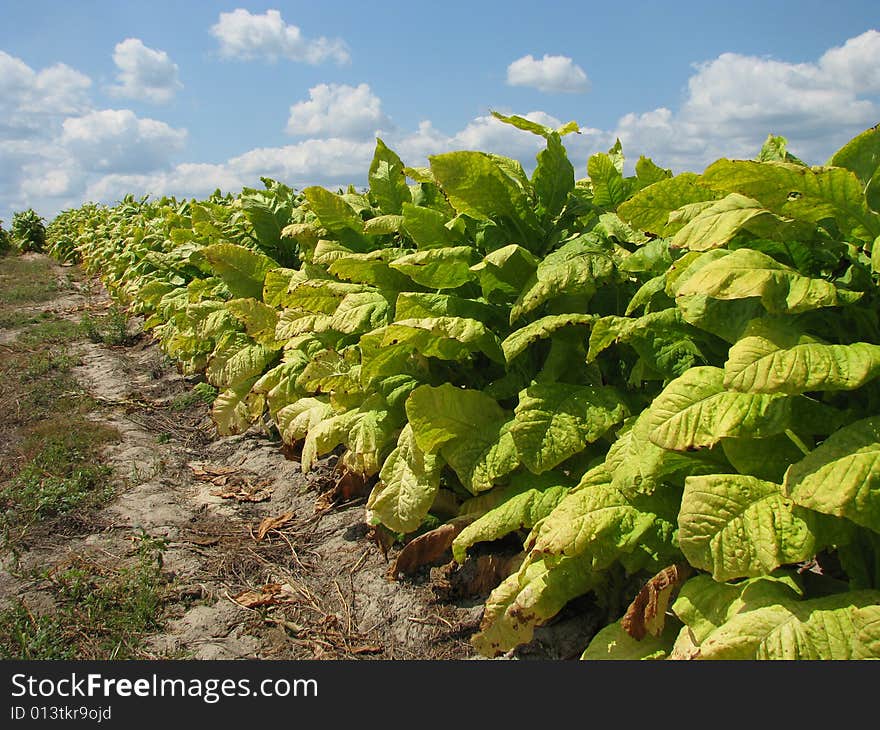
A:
{"x": 661, "y": 389}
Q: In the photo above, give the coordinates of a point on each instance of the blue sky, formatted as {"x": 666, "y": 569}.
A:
{"x": 99, "y": 99}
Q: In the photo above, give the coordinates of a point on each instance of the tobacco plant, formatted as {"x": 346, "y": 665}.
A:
{"x": 665, "y": 385}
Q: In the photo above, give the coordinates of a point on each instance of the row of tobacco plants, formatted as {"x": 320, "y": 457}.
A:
{"x": 665, "y": 385}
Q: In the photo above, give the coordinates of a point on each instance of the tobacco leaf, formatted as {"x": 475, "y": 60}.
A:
{"x": 427, "y": 548}
{"x": 647, "y": 613}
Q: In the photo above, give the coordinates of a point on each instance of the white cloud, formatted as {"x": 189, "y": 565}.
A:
{"x": 54, "y": 143}
{"x": 330, "y": 162}
{"x": 854, "y": 64}
{"x": 337, "y": 110}
{"x": 244, "y": 35}
{"x": 144, "y": 73}
{"x": 118, "y": 140}
{"x": 57, "y": 159}
{"x": 551, "y": 74}
{"x": 30, "y": 100}
{"x": 735, "y": 101}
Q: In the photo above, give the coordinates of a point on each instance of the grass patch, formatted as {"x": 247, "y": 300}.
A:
{"x": 49, "y": 451}
{"x": 15, "y": 318}
{"x": 59, "y": 472}
{"x": 36, "y": 384}
{"x": 100, "y": 613}
{"x": 27, "y": 280}
{"x": 50, "y": 332}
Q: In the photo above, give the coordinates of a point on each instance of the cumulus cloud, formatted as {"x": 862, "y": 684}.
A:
{"x": 244, "y": 35}
{"x": 54, "y": 143}
{"x": 120, "y": 141}
{"x": 144, "y": 73}
{"x": 332, "y": 162}
{"x": 551, "y": 74}
{"x": 337, "y": 110}
{"x": 30, "y": 100}
{"x": 734, "y": 101}
{"x": 59, "y": 158}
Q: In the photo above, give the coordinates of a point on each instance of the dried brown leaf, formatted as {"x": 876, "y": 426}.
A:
{"x": 273, "y": 523}
{"x": 647, "y": 613}
{"x": 270, "y": 594}
{"x": 478, "y": 576}
{"x": 428, "y": 548}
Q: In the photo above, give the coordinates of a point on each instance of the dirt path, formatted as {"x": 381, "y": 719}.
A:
{"x": 313, "y": 586}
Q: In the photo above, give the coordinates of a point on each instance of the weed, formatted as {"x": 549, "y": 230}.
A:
{"x": 100, "y": 613}
{"x": 201, "y": 393}
{"x": 110, "y": 329}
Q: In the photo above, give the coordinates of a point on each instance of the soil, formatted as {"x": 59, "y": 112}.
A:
{"x": 313, "y": 586}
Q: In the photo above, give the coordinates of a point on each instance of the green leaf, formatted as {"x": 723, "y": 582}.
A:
{"x": 748, "y": 273}
{"x": 370, "y": 268}
{"x": 447, "y": 338}
{"x": 329, "y": 372}
{"x": 610, "y": 188}
{"x": 556, "y": 421}
{"x": 602, "y": 522}
{"x": 529, "y": 598}
{"x": 476, "y": 186}
{"x": 237, "y": 358}
{"x": 578, "y": 267}
{"x": 439, "y": 415}
{"x": 861, "y": 155}
{"x": 506, "y": 270}
{"x": 774, "y": 150}
{"x": 242, "y": 270}
{"x": 613, "y": 643}
{"x": 527, "y": 125}
{"x": 553, "y": 178}
{"x": 649, "y": 173}
{"x": 387, "y": 180}
{"x": 367, "y": 431}
{"x": 773, "y": 357}
{"x": 321, "y": 296}
{"x": 841, "y": 626}
{"x": 276, "y": 285}
{"x": 259, "y": 319}
{"x": 383, "y": 225}
{"x": 522, "y": 510}
{"x": 703, "y": 604}
{"x": 520, "y": 339}
{"x": 765, "y": 458}
{"x": 268, "y": 212}
{"x": 485, "y": 455}
{"x": 842, "y": 476}
{"x": 428, "y": 227}
{"x": 638, "y": 466}
{"x": 649, "y": 209}
{"x": 695, "y": 410}
{"x": 735, "y": 526}
{"x": 437, "y": 268}
{"x": 421, "y": 305}
{"x": 804, "y": 193}
{"x": 332, "y": 211}
{"x": 296, "y": 419}
{"x": 360, "y": 312}
{"x": 718, "y": 223}
{"x": 408, "y": 483}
